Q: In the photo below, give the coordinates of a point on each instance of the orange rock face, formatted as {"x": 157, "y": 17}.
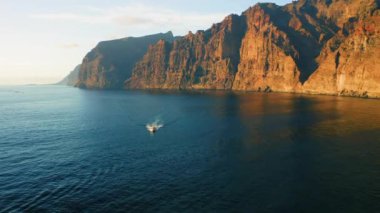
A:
{"x": 266, "y": 56}
{"x": 349, "y": 63}
{"x": 110, "y": 63}
{"x": 307, "y": 46}
{"x": 204, "y": 60}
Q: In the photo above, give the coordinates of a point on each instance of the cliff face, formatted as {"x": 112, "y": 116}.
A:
{"x": 349, "y": 62}
{"x": 110, "y": 63}
{"x": 310, "y": 46}
{"x": 72, "y": 78}
{"x": 206, "y": 59}
{"x": 267, "y": 54}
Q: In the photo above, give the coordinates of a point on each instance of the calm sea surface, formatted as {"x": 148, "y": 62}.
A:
{"x": 67, "y": 150}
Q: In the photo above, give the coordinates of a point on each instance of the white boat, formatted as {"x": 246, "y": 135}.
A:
{"x": 154, "y": 127}
{"x": 151, "y": 129}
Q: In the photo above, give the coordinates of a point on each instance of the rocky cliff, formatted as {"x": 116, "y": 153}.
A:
{"x": 308, "y": 46}
{"x": 110, "y": 63}
{"x": 349, "y": 62}
{"x": 72, "y": 78}
{"x": 204, "y": 60}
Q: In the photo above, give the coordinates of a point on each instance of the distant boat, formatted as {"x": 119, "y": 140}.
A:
{"x": 154, "y": 127}
{"x": 151, "y": 129}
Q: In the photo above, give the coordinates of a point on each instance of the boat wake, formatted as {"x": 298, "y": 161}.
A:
{"x": 155, "y": 126}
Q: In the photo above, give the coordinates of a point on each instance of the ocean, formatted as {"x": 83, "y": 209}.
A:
{"x": 64, "y": 149}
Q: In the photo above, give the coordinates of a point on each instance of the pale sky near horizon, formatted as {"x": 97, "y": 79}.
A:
{"x": 41, "y": 41}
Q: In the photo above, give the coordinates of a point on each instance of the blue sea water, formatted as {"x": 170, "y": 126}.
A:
{"x": 64, "y": 149}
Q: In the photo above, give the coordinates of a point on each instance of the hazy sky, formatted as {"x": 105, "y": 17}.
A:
{"x": 42, "y": 40}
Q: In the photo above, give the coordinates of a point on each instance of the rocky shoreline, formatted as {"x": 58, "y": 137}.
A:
{"x": 308, "y": 46}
